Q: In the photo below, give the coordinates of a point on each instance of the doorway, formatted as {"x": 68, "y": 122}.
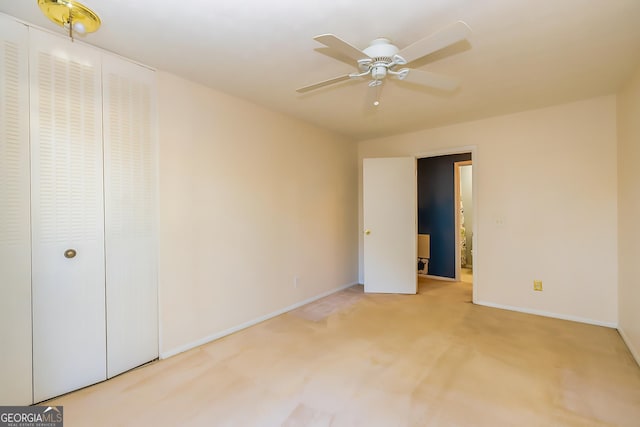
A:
{"x": 383, "y": 230}
{"x": 464, "y": 219}
{"x": 438, "y": 200}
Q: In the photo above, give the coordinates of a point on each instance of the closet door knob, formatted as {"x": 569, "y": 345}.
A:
{"x": 70, "y": 253}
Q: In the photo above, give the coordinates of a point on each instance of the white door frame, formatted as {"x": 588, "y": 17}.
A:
{"x": 474, "y": 185}
{"x": 456, "y": 185}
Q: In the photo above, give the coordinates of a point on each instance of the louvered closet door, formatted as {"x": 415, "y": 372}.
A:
{"x": 130, "y": 209}
{"x": 15, "y": 245}
{"x": 69, "y": 335}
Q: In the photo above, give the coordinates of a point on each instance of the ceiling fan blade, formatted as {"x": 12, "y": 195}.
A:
{"x": 323, "y": 83}
{"x": 341, "y": 46}
{"x": 448, "y": 36}
{"x": 426, "y": 78}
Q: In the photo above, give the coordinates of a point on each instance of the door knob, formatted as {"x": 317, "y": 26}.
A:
{"x": 367, "y": 232}
{"x": 70, "y": 253}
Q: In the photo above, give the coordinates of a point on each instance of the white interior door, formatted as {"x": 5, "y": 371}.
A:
{"x": 69, "y": 350}
{"x": 130, "y": 207}
{"x": 390, "y": 228}
{"x": 15, "y": 241}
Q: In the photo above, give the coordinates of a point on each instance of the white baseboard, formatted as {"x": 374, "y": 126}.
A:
{"x": 218, "y": 335}
{"x": 548, "y": 314}
{"x": 634, "y": 352}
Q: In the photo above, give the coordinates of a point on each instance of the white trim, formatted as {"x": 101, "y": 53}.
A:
{"x": 474, "y": 227}
{"x": 217, "y": 335}
{"x": 448, "y": 151}
{"x": 634, "y": 352}
{"x": 456, "y": 211}
{"x": 457, "y": 272}
{"x": 613, "y": 325}
{"x": 157, "y": 223}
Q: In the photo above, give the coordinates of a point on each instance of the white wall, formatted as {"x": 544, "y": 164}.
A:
{"x": 549, "y": 176}
{"x": 629, "y": 212}
{"x": 249, "y": 199}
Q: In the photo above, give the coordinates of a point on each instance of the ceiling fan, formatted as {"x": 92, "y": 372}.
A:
{"x": 382, "y": 59}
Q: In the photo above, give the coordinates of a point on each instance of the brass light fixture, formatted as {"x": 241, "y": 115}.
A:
{"x": 70, "y": 14}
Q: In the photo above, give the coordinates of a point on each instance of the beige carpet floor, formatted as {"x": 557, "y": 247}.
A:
{"x": 432, "y": 359}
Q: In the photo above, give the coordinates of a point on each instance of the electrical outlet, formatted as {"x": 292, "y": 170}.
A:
{"x": 537, "y": 285}
{"x": 295, "y": 281}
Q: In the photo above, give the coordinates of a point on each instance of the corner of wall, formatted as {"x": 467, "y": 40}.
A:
{"x": 628, "y": 156}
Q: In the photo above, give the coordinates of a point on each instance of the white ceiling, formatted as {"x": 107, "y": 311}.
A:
{"x": 522, "y": 54}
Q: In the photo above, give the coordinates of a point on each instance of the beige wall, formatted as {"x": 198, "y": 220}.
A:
{"x": 546, "y": 193}
{"x": 249, "y": 199}
{"x": 629, "y": 212}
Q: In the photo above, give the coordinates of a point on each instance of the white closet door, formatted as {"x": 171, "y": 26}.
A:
{"x": 15, "y": 244}
{"x": 130, "y": 209}
{"x": 69, "y": 338}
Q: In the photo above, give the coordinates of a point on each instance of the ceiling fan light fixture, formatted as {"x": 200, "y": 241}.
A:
{"x": 70, "y": 14}
{"x": 381, "y": 59}
{"x": 381, "y": 48}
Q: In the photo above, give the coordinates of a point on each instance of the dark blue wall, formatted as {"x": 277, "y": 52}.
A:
{"x": 436, "y": 210}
